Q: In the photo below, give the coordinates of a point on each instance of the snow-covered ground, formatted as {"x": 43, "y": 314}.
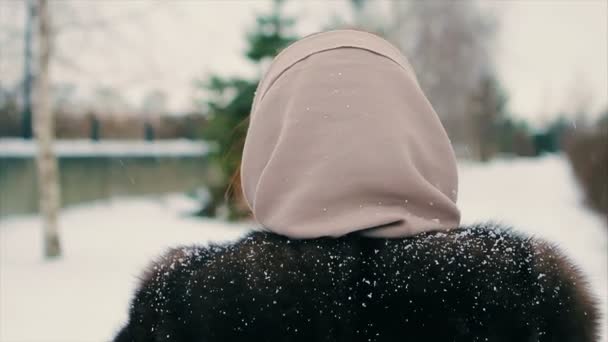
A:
{"x": 115, "y": 148}
{"x": 84, "y": 296}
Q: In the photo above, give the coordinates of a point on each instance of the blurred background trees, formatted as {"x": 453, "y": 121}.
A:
{"x": 228, "y": 105}
{"x": 451, "y": 45}
{"x": 487, "y": 108}
{"x": 587, "y": 150}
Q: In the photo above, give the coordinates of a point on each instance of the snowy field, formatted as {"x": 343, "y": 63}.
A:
{"x": 84, "y": 296}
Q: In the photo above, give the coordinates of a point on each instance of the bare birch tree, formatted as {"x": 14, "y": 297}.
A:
{"x": 449, "y": 44}
{"x": 48, "y": 182}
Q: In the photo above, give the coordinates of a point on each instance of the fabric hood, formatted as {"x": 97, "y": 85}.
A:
{"x": 342, "y": 139}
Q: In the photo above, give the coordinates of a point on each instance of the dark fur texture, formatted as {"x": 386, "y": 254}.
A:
{"x": 480, "y": 283}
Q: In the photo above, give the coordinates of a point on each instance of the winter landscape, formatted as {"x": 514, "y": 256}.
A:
{"x": 122, "y": 126}
{"x": 84, "y": 295}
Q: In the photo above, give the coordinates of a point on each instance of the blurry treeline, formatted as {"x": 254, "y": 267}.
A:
{"x": 587, "y": 150}
{"x": 99, "y": 123}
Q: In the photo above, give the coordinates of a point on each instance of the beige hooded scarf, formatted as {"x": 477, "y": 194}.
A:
{"x": 342, "y": 139}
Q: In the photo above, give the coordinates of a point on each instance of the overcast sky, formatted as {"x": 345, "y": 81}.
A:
{"x": 552, "y": 56}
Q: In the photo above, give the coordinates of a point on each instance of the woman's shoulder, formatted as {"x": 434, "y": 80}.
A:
{"x": 481, "y": 279}
{"x": 486, "y": 250}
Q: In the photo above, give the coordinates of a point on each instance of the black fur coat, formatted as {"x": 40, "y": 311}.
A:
{"x": 479, "y": 283}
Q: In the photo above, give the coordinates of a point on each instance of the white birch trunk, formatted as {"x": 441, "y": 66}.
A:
{"x": 48, "y": 183}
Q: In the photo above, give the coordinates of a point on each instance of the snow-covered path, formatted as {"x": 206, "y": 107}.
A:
{"x": 83, "y": 296}
{"x": 540, "y": 197}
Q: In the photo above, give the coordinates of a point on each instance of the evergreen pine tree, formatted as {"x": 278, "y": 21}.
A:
{"x": 229, "y": 104}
